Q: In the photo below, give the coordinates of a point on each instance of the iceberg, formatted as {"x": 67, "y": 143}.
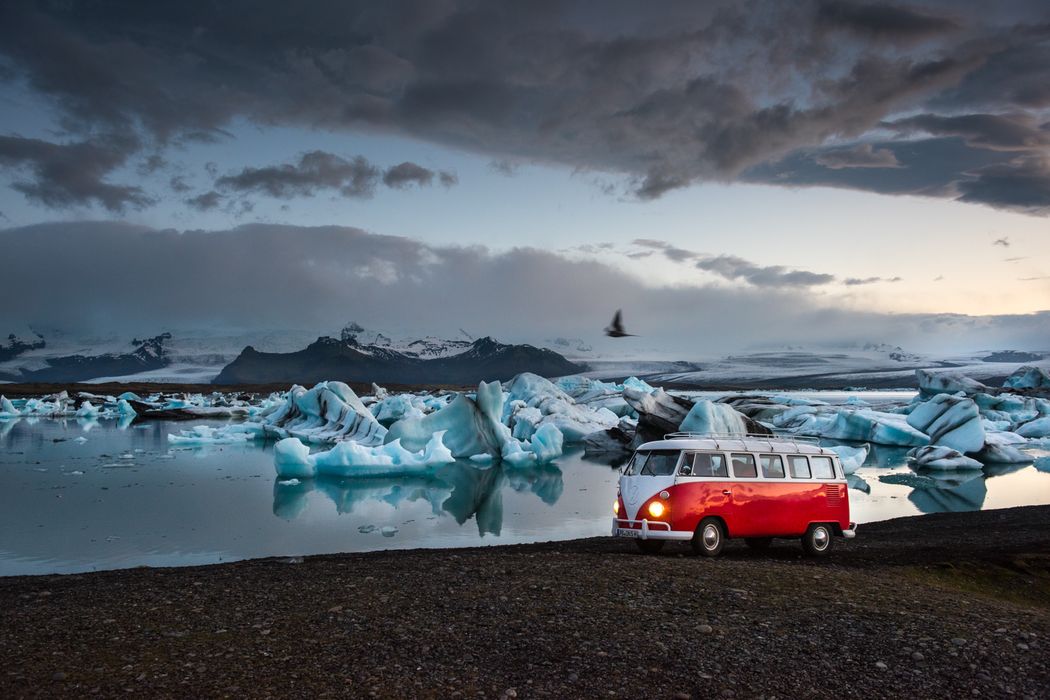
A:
{"x": 942, "y": 457}
{"x": 1028, "y": 377}
{"x": 394, "y": 408}
{"x": 471, "y": 426}
{"x": 87, "y": 410}
{"x": 952, "y": 421}
{"x": 931, "y": 383}
{"x": 999, "y": 448}
{"x": 865, "y": 425}
{"x": 7, "y": 409}
{"x": 1038, "y": 428}
{"x": 329, "y": 412}
{"x": 657, "y": 409}
{"x": 546, "y": 444}
{"x": 531, "y": 391}
{"x": 292, "y": 459}
{"x": 124, "y": 408}
{"x": 851, "y": 457}
{"x": 710, "y": 417}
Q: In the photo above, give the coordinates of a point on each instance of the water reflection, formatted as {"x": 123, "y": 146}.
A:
{"x": 461, "y": 489}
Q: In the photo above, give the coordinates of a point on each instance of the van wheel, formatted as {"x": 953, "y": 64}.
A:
{"x": 709, "y": 537}
{"x": 817, "y": 540}
{"x": 650, "y": 546}
{"x": 758, "y": 542}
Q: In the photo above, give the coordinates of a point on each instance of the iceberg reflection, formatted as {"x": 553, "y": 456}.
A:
{"x": 461, "y": 489}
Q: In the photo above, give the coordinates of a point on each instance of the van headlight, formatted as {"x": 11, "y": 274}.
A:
{"x": 657, "y": 509}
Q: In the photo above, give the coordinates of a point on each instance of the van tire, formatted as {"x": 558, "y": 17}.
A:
{"x": 758, "y": 542}
{"x": 818, "y": 539}
{"x": 650, "y": 546}
{"x": 709, "y": 538}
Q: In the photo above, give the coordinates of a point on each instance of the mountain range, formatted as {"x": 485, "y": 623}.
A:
{"x": 347, "y": 359}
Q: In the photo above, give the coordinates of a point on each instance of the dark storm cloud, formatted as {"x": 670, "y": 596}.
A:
{"x": 882, "y": 21}
{"x": 315, "y": 171}
{"x": 205, "y": 202}
{"x": 860, "y": 156}
{"x": 696, "y": 92}
{"x": 70, "y": 174}
{"x": 407, "y": 174}
{"x": 1022, "y": 184}
{"x": 262, "y": 277}
{"x": 1006, "y": 132}
{"x": 318, "y": 171}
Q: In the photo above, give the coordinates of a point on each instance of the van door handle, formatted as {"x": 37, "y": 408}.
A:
{"x": 727, "y": 492}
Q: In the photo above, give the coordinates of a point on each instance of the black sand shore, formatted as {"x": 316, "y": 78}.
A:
{"x": 949, "y": 605}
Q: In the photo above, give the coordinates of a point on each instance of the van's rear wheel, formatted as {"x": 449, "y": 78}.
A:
{"x": 709, "y": 538}
{"x": 650, "y": 546}
{"x": 758, "y": 542}
{"x": 817, "y": 540}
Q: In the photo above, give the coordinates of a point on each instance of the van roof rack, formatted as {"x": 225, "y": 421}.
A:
{"x": 806, "y": 439}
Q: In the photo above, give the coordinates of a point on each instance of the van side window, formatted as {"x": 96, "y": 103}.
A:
{"x": 660, "y": 463}
{"x": 822, "y": 468}
{"x": 772, "y": 466}
{"x": 799, "y": 467}
{"x": 709, "y": 465}
{"x": 744, "y": 465}
{"x": 636, "y": 463}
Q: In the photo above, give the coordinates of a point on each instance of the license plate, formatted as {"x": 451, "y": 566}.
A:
{"x": 628, "y": 533}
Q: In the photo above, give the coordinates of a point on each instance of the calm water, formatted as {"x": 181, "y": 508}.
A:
{"x": 126, "y": 498}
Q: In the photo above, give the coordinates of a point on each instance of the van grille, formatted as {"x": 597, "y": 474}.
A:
{"x": 833, "y": 492}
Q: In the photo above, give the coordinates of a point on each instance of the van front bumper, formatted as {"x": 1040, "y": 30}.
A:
{"x": 647, "y": 530}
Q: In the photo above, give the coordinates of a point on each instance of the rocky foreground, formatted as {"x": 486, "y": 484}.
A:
{"x": 950, "y": 605}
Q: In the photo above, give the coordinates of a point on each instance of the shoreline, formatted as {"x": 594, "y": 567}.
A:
{"x": 583, "y": 617}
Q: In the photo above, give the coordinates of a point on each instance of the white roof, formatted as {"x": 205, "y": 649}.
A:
{"x": 774, "y": 443}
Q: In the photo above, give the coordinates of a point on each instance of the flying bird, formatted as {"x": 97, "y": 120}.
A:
{"x": 1004, "y": 241}
{"x": 615, "y": 329}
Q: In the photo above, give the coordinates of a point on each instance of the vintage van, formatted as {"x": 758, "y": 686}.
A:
{"x": 708, "y": 488}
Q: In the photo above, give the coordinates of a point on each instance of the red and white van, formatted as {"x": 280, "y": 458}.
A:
{"x": 708, "y": 488}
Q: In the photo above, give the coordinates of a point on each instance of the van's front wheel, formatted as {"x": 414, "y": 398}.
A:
{"x": 650, "y": 546}
{"x": 817, "y": 540}
{"x": 709, "y": 538}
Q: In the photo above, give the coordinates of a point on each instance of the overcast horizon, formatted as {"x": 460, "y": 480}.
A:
{"x": 732, "y": 175}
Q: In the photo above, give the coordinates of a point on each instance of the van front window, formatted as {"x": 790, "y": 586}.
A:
{"x": 635, "y": 465}
{"x": 660, "y": 463}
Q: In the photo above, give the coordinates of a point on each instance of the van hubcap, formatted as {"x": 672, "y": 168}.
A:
{"x": 710, "y": 536}
{"x": 820, "y": 538}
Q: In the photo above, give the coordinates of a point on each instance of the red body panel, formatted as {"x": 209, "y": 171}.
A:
{"x": 762, "y": 508}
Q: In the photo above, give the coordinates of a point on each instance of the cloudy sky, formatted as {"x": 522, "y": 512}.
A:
{"x": 730, "y": 174}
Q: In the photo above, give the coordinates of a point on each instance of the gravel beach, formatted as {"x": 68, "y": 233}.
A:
{"x": 948, "y": 605}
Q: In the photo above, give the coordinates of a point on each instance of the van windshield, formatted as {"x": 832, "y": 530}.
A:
{"x": 655, "y": 463}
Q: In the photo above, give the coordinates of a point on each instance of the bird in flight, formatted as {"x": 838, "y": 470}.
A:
{"x": 615, "y": 329}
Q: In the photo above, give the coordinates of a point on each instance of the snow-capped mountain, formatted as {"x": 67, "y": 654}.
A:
{"x": 426, "y": 362}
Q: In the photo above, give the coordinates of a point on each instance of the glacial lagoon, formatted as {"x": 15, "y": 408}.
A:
{"x": 86, "y": 495}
